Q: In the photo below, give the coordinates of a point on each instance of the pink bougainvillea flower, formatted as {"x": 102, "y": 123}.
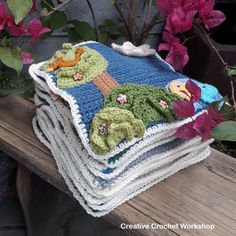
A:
{"x": 168, "y": 39}
{"x": 177, "y": 56}
{"x": 179, "y": 21}
{"x": 186, "y": 131}
{"x": 215, "y": 117}
{"x": 36, "y": 29}
{"x": 183, "y": 108}
{"x": 203, "y": 125}
{"x": 167, "y": 6}
{"x": 194, "y": 90}
{"x": 13, "y": 29}
{"x": 211, "y": 18}
{"x": 3, "y": 15}
{"x": 27, "y": 58}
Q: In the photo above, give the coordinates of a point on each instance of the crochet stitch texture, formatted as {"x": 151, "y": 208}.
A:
{"x": 144, "y": 101}
{"x": 122, "y": 125}
{"x": 102, "y": 182}
{"x": 122, "y": 69}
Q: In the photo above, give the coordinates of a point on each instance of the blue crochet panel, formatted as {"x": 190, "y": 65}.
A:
{"x": 146, "y": 70}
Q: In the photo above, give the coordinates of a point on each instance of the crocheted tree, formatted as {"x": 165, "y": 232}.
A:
{"x": 75, "y": 66}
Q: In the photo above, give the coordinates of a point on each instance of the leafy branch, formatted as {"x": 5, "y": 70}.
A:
{"x": 227, "y": 67}
{"x": 137, "y": 32}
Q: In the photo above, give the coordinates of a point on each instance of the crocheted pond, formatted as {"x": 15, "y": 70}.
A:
{"x": 115, "y": 100}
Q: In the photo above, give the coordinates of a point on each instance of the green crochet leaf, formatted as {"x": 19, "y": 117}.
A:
{"x": 121, "y": 124}
{"x": 144, "y": 102}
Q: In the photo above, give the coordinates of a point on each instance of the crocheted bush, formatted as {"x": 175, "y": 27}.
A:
{"x": 147, "y": 103}
{"x": 73, "y": 70}
{"x": 112, "y": 125}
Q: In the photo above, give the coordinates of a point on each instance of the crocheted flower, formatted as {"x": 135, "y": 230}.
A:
{"x": 103, "y": 129}
{"x": 77, "y": 77}
{"x": 164, "y": 104}
{"x": 122, "y": 99}
{"x": 112, "y": 125}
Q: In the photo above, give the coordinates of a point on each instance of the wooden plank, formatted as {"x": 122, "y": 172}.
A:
{"x": 18, "y": 140}
{"x": 204, "y": 193}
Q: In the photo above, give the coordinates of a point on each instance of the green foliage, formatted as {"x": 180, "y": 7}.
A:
{"x": 11, "y": 57}
{"x": 232, "y": 71}
{"x": 48, "y": 6}
{"x": 224, "y": 147}
{"x": 225, "y": 131}
{"x": 58, "y": 19}
{"x": 79, "y": 30}
{"x": 19, "y": 85}
{"x": 225, "y": 109}
{"x": 108, "y": 30}
{"x": 19, "y": 8}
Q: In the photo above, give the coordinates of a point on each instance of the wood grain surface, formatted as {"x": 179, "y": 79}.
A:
{"x": 202, "y": 194}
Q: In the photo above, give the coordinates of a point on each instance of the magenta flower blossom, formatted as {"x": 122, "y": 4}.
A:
{"x": 194, "y": 90}
{"x": 27, "y": 58}
{"x": 215, "y": 117}
{"x": 3, "y": 15}
{"x": 211, "y": 18}
{"x": 36, "y": 29}
{"x": 203, "y": 125}
{"x": 169, "y": 39}
{"x": 167, "y": 6}
{"x": 13, "y": 29}
{"x": 179, "y": 21}
{"x": 186, "y": 132}
{"x": 183, "y": 108}
{"x": 177, "y": 56}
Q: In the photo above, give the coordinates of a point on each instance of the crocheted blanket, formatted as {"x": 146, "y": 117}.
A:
{"x": 108, "y": 120}
{"x": 115, "y": 100}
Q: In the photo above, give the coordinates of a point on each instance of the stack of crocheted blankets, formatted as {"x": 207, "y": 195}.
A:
{"x": 108, "y": 120}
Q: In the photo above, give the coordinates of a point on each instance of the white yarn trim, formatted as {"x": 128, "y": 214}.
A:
{"x": 73, "y": 140}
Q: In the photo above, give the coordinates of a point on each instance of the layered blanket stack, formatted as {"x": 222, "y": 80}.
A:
{"x": 109, "y": 139}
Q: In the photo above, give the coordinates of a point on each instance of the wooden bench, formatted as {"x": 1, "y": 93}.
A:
{"x": 203, "y": 193}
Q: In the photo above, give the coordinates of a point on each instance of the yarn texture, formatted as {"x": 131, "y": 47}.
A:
{"x": 112, "y": 137}
{"x": 145, "y": 102}
{"x": 121, "y": 125}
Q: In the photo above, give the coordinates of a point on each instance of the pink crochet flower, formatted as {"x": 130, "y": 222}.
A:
{"x": 122, "y": 99}
{"x": 104, "y": 129}
{"x": 77, "y": 77}
{"x": 163, "y": 104}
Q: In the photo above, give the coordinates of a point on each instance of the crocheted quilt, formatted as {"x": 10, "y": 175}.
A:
{"x": 116, "y": 100}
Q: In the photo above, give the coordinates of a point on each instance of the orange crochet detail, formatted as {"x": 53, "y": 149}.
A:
{"x": 60, "y": 62}
{"x": 105, "y": 83}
